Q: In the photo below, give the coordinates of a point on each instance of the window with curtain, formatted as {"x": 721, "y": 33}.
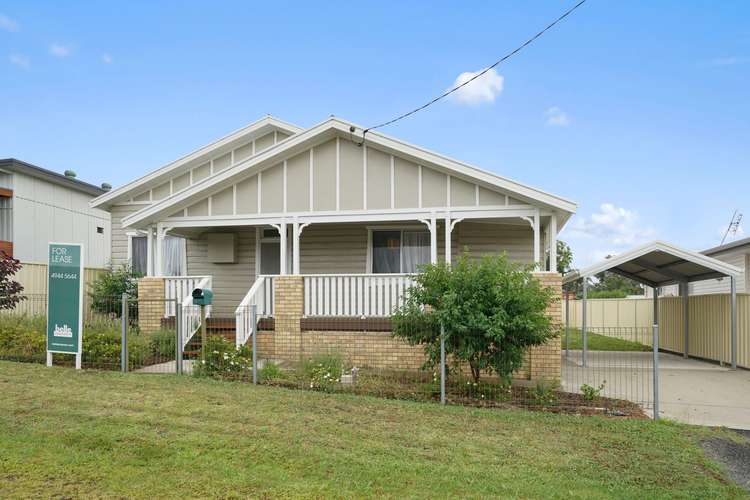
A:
{"x": 174, "y": 255}
{"x": 139, "y": 254}
{"x": 175, "y": 249}
{"x": 399, "y": 251}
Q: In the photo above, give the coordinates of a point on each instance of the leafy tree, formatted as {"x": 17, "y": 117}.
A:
{"x": 10, "y": 289}
{"x": 564, "y": 257}
{"x": 614, "y": 284}
{"x": 493, "y": 311}
{"x": 106, "y": 291}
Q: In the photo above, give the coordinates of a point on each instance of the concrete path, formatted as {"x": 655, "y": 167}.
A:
{"x": 691, "y": 391}
{"x": 167, "y": 367}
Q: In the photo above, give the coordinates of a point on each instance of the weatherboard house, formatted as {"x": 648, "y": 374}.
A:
{"x": 309, "y": 225}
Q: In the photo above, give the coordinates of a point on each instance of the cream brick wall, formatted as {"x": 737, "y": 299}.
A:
{"x": 290, "y": 345}
{"x": 151, "y": 305}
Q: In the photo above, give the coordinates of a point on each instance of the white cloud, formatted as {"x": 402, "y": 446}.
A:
{"x": 556, "y": 117}
{"x": 608, "y": 231}
{"x": 58, "y": 50}
{"x": 484, "y": 89}
{"x": 20, "y": 61}
{"x": 106, "y": 59}
{"x": 8, "y": 24}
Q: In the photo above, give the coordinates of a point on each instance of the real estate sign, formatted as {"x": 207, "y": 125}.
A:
{"x": 65, "y": 299}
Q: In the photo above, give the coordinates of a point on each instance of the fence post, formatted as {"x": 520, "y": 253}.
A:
{"x": 656, "y": 370}
{"x": 203, "y": 333}
{"x": 178, "y": 335}
{"x": 567, "y": 324}
{"x": 124, "y": 339}
{"x": 254, "y": 323}
{"x": 442, "y": 364}
{"x": 584, "y": 323}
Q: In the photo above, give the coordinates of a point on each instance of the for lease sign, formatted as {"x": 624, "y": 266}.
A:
{"x": 65, "y": 298}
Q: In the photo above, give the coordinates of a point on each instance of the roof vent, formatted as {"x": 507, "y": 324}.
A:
{"x": 106, "y": 186}
{"x": 70, "y": 174}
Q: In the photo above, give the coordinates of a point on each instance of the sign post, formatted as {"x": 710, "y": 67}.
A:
{"x": 65, "y": 301}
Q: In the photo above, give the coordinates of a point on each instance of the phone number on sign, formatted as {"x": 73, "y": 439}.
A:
{"x": 64, "y": 276}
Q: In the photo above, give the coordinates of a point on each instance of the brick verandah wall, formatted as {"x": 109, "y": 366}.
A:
{"x": 380, "y": 349}
{"x": 151, "y": 305}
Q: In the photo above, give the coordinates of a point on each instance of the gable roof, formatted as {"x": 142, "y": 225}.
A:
{"x": 328, "y": 129}
{"x": 14, "y": 165}
{"x": 200, "y": 155}
{"x": 657, "y": 264}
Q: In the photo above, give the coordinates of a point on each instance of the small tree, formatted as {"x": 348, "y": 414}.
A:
{"x": 10, "y": 289}
{"x": 108, "y": 288}
{"x": 493, "y": 311}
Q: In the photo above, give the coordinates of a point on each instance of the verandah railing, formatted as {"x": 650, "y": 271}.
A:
{"x": 178, "y": 288}
{"x": 260, "y": 295}
{"x": 190, "y": 319}
{"x": 355, "y": 295}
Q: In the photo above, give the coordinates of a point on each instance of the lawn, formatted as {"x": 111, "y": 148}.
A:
{"x": 103, "y": 434}
{"x": 598, "y": 342}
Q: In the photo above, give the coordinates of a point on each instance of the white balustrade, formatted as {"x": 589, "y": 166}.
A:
{"x": 190, "y": 319}
{"x": 178, "y": 287}
{"x": 260, "y": 295}
{"x": 355, "y": 294}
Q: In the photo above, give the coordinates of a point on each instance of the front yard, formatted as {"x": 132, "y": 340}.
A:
{"x": 102, "y": 434}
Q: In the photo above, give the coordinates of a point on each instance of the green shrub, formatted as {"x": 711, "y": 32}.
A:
{"x": 544, "y": 393}
{"x": 106, "y": 291}
{"x": 323, "y": 371}
{"x": 23, "y": 336}
{"x": 492, "y": 309}
{"x": 271, "y": 371}
{"x": 591, "y": 393}
{"x": 223, "y": 359}
{"x": 162, "y": 344}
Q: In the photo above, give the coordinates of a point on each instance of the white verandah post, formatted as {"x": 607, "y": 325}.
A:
{"x": 295, "y": 247}
{"x": 552, "y": 236}
{"x": 282, "y": 249}
{"x": 537, "y": 258}
{"x": 150, "y": 251}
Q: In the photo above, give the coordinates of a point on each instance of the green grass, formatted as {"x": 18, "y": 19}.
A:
{"x": 599, "y": 342}
{"x": 102, "y": 434}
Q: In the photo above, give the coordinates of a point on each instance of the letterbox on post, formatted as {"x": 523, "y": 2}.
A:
{"x": 202, "y": 297}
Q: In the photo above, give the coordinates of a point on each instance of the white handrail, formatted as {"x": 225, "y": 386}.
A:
{"x": 260, "y": 295}
{"x": 190, "y": 320}
{"x": 178, "y": 287}
{"x": 354, "y": 294}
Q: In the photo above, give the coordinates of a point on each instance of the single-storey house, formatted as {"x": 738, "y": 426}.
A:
{"x": 318, "y": 222}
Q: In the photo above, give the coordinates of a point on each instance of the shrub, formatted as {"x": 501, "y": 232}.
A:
{"x": 106, "y": 291}
{"x": 223, "y": 359}
{"x": 493, "y": 310}
{"x": 10, "y": 289}
{"x": 162, "y": 344}
{"x": 591, "y": 393}
{"x": 323, "y": 371}
{"x": 271, "y": 371}
{"x": 22, "y": 336}
{"x": 544, "y": 393}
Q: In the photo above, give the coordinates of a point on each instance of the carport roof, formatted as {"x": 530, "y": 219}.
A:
{"x": 657, "y": 264}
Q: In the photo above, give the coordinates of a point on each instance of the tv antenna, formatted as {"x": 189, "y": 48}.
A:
{"x": 734, "y": 225}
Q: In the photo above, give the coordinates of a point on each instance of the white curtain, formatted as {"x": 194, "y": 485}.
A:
{"x": 416, "y": 250}
{"x": 139, "y": 254}
{"x": 386, "y": 251}
{"x": 174, "y": 256}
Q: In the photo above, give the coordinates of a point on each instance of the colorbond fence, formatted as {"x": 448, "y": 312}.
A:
{"x": 709, "y": 323}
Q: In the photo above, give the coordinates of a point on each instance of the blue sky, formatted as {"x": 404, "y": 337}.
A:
{"x": 638, "y": 111}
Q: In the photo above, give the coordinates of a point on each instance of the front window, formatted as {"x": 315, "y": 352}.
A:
{"x": 397, "y": 251}
{"x": 174, "y": 253}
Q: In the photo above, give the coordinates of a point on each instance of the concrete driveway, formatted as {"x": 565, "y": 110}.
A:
{"x": 691, "y": 391}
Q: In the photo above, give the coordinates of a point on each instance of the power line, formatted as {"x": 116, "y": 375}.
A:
{"x": 495, "y": 64}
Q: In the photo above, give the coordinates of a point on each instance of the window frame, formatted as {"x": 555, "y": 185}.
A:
{"x": 401, "y": 229}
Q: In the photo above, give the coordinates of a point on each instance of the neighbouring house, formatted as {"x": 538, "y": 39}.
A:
{"x": 38, "y": 206}
{"x": 320, "y": 223}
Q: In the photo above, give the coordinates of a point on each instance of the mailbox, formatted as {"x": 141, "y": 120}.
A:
{"x": 202, "y": 297}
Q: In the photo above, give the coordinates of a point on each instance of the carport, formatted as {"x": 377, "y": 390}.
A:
{"x": 659, "y": 264}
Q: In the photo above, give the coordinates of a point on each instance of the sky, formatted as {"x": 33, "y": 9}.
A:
{"x": 637, "y": 111}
